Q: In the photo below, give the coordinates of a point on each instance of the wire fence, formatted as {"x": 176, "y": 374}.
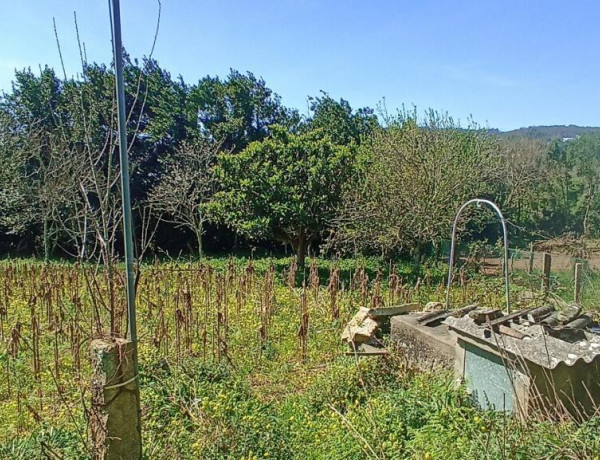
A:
{"x": 571, "y": 278}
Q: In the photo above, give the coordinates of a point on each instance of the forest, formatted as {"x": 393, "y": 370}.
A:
{"x": 223, "y": 166}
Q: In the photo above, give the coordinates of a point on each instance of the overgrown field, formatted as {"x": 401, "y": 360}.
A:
{"x": 241, "y": 359}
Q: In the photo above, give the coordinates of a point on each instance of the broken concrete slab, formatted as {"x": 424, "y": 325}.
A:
{"x": 361, "y": 328}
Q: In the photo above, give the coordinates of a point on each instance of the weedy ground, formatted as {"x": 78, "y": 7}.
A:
{"x": 241, "y": 359}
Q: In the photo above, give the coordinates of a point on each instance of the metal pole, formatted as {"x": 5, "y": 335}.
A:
{"x": 505, "y": 235}
{"x": 127, "y": 225}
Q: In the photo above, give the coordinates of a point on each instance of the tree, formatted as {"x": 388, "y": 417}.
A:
{"x": 287, "y": 187}
{"x": 568, "y": 199}
{"x": 523, "y": 173}
{"x": 339, "y": 121}
{"x": 412, "y": 179}
{"x": 237, "y": 110}
{"x": 37, "y": 181}
{"x": 583, "y": 154}
{"x": 186, "y": 188}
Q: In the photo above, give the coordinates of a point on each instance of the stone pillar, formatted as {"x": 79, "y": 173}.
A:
{"x": 115, "y": 420}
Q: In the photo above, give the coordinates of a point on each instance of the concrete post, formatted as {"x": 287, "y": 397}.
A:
{"x": 546, "y": 272}
{"x": 115, "y": 417}
{"x": 530, "y": 268}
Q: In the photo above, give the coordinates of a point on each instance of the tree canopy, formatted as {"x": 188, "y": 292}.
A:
{"x": 286, "y": 187}
{"x": 226, "y": 153}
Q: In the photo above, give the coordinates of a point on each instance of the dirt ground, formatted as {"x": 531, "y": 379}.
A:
{"x": 560, "y": 262}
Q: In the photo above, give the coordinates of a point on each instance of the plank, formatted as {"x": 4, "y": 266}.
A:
{"x": 511, "y": 332}
{"x": 383, "y": 312}
{"x": 368, "y": 350}
{"x": 368, "y": 353}
{"x": 510, "y": 317}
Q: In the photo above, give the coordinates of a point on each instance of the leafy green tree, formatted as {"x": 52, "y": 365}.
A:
{"x": 35, "y": 100}
{"x": 287, "y": 187}
{"x": 339, "y": 121}
{"x": 583, "y": 154}
{"x": 237, "y": 110}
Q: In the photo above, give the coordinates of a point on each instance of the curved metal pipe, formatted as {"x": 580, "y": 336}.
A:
{"x": 505, "y": 234}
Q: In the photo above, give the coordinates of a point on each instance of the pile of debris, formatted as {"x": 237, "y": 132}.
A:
{"x": 363, "y": 332}
{"x": 537, "y": 333}
{"x": 558, "y": 318}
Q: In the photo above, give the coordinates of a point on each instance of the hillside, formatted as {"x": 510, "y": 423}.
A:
{"x": 550, "y": 132}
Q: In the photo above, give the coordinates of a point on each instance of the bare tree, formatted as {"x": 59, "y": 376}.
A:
{"x": 186, "y": 188}
{"x": 523, "y": 167}
{"x": 413, "y": 178}
{"x": 37, "y": 185}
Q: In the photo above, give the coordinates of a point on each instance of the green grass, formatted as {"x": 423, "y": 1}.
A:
{"x": 263, "y": 398}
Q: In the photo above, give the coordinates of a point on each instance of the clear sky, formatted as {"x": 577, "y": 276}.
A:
{"x": 508, "y": 63}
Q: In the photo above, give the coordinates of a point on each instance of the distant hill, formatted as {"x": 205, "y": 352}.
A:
{"x": 549, "y": 132}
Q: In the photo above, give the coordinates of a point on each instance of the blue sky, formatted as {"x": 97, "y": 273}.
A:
{"x": 507, "y": 63}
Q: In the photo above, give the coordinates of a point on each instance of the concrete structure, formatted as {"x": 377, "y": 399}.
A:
{"x": 526, "y": 372}
{"x": 538, "y": 373}
{"x": 115, "y": 418}
{"x": 424, "y": 347}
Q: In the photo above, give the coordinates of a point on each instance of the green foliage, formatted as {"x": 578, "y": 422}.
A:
{"x": 413, "y": 178}
{"x": 583, "y": 155}
{"x": 552, "y": 189}
{"x": 45, "y": 443}
{"x": 214, "y": 411}
{"x": 338, "y": 120}
{"x": 286, "y": 187}
{"x": 59, "y": 188}
{"x": 238, "y": 110}
{"x": 550, "y": 133}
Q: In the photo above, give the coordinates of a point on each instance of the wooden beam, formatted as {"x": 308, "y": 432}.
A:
{"x": 546, "y": 272}
{"x": 512, "y": 316}
{"x": 383, "y": 312}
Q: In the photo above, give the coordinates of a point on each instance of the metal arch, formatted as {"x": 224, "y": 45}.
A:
{"x": 452, "y": 247}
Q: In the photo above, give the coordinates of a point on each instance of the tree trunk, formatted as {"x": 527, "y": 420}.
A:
{"x": 46, "y": 242}
{"x": 199, "y": 240}
{"x": 301, "y": 248}
{"x": 588, "y": 209}
{"x": 417, "y": 256}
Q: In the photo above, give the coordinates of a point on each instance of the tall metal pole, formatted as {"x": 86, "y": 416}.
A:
{"x": 127, "y": 222}
{"x": 115, "y": 419}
